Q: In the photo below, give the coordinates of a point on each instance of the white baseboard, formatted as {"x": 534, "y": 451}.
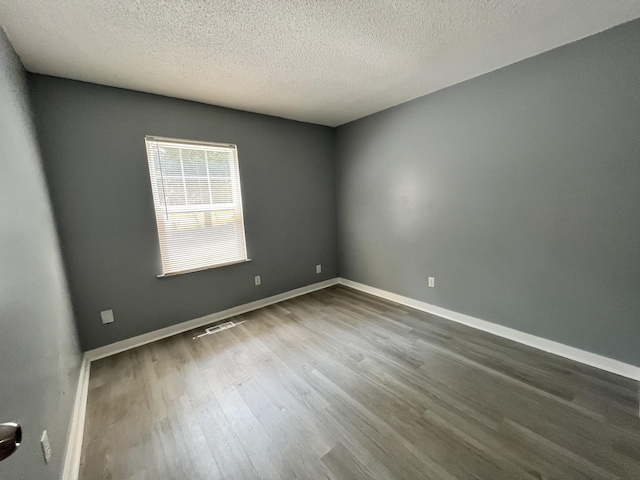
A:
{"x": 140, "y": 340}
{"x": 74, "y": 443}
{"x": 74, "y": 447}
{"x": 572, "y": 353}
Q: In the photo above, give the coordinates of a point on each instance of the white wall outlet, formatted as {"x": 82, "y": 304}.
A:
{"x": 107, "y": 316}
{"x": 432, "y": 282}
{"x": 258, "y": 280}
{"x": 46, "y": 447}
{"x": 318, "y": 268}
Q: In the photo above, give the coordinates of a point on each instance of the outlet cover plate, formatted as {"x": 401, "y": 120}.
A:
{"x": 46, "y": 446}
{"x": 107, "y": 316}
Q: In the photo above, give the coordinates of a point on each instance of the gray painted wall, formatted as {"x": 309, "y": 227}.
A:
{"x": 38, "y": 347}
{"x": 518, "y": 190}
{"x": 92, "y": 138}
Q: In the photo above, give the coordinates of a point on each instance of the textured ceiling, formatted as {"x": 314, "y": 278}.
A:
{"x": 320, "y": 61}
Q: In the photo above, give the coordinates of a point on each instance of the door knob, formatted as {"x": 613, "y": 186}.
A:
{"x": 10, "y": 438}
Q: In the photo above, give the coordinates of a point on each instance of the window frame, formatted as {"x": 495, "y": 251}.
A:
{"x": 157, "y": 195}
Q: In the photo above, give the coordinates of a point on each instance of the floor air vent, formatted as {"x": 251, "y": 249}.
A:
{"x": 219, "y": 327}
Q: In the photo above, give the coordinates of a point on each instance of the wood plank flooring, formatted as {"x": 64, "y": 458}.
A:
{"x": 341, "y": 385}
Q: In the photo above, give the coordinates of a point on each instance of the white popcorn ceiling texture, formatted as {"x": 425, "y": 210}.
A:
{"x": 320, "y": 61}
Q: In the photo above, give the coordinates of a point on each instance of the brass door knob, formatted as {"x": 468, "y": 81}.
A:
{"x": 10, "y": 438}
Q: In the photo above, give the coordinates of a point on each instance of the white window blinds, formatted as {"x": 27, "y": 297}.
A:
{"x": 198, "y": 203}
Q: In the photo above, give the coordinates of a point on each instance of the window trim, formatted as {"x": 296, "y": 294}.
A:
{"x": 182, "y": 143}
{"x": 202, "y": 269}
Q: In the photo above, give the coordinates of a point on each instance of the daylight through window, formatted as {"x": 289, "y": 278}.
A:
{"x": 198, "y": 204}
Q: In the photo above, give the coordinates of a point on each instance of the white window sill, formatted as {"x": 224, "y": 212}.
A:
{"x": 200, "y": 269}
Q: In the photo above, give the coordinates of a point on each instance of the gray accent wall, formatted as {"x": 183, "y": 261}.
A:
{"x": 39, "y": 355}
{"x": 92, "y": 138}
{"x": 519, "y": 191}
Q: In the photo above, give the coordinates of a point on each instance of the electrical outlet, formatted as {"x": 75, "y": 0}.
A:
{"x": 107, "y": 317}
{"x": 258, "y": 280}
{"x": 46, "y": 446}
{"x": 318, "y": 268}
{"x": 432, "y": 282}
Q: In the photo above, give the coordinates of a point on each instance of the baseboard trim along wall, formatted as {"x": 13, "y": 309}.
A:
{"x": 572, "y": 353}
{"x": 74, "y": 447}
{"x": 74, "y": 444}
{"x": 140, "y": 340}
{"x": 76, "y": 432}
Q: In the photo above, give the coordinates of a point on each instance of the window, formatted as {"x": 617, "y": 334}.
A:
{"x": 198, "y": 203}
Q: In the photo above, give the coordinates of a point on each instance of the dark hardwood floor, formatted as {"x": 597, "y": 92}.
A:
{"x": 341, "y": 385}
